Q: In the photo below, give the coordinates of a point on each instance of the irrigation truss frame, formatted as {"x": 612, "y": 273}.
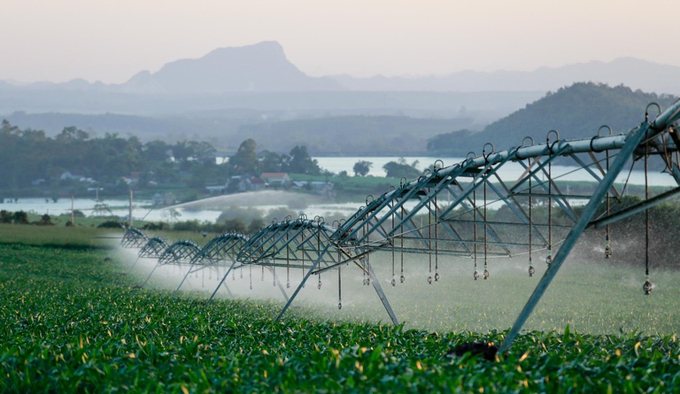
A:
{"x": 444, "y": 212}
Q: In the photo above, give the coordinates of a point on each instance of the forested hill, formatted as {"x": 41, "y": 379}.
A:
{"x": 576, "y": 111}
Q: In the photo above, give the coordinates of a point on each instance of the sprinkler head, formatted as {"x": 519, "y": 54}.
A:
{"x": 486, "y": 274}
{"x": 436, "y": 277}
{"x": 339, "y": 305}
{"x": 532, "y": 270}
{"x": 288, "y": 285}
{"x": 402, "y": 279}
{"x": 429, "y": 279}
{"x": 647, "y": 287}
{"x": 368, "y": 281}
{"x": 319, "y": 285}
{"x": 607, "y": 252}
{"x": 394, "y": 282}
{"x": 476, "y": 275}
{"x": 549, "y": 260}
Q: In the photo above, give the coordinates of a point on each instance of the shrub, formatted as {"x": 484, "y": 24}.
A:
{"x": 110, "y": 224}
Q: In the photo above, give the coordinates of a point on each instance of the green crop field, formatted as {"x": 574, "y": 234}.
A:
{"x": 72, "y": 321}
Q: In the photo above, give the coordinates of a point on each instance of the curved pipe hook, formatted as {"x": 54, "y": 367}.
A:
{"x": 469, "y": 157}
{"x": 647, "y": 110}
{"x": 438, "y": 167}
{"x": 486, "y": 155}
{"x": 530, "y": 138}
{"x": 403, "y": 181}
{"x": 547, "y": 139}
{"x": 424, "y": 175}
{"x": 372, "y": 199}
{"x": 604, "y": 127}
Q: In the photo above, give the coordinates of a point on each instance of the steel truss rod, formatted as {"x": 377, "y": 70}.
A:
{"x": 279, "y": 234}
{"x": 558, "y": 198}
{"x": 378, "y": 289}
{"x": 504, "y": 224}
{"x": 302, "y": 283}
{"x": 631, "y": 142}
{"x": 278, "y": 283}
{"x": 226, "y": 274}
{"x": 451, "y": 252}
{"x": 603, "y": 173}
{"x": 490, "y": 230}
{"x": 350, "y": 259}
{"x": 632, "y": 210}
{"x": 450, "y": 229}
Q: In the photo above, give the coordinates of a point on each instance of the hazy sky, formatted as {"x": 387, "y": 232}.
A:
{"x": 111, "y": 40}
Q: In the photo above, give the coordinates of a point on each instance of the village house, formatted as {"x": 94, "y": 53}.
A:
{"x": 276, "y": 180}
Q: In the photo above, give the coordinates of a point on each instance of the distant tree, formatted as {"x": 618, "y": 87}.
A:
{"x": 362, "y": 168}
{"x": 8, "y": 129}
{"x": 235, "y": 225}
{"x": 270, "y": 161}
{"x": 45, "y": 220}
{"x": 20, "y": 217}
{"x": 399, "y": 169}
{"x": 202, "y": 152}
{"x": 189, "y": 225}
{"x": 171, "y": 214}
{"x": 245, "y": 160}
{"x": 156, "y": 151}
{"x": 255, "y": 226}
{"x": 301, "y": 162}
{"x": 72, "y": 133}
{"x": 182, "y": 151}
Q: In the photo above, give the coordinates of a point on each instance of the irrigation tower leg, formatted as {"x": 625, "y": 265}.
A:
{"x": 302, "y": 284}
{"x": 381, "y": 295}
{"x": 149, "y": 277}
{"x": 576, "y": 231}
{"x": 185, "y": 278}
{"x": 278, "y": 283}
{"x": 233, "y": 263}
{"x": 134, "y": 264}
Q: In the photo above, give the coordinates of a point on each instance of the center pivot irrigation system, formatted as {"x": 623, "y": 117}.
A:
{"x": 445, "y": 213}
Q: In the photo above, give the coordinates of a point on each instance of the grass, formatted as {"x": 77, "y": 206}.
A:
{"x": 72, "y": 322}
{"x": 60, "y": 236}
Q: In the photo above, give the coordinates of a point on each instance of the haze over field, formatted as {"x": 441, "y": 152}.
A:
{"x": 112, "y": 41}
{"x": 396, "y": 71}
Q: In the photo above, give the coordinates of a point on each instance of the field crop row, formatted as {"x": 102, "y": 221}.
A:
{"x": 72, "y": 322}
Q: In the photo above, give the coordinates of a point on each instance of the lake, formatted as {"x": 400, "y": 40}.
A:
{"x": 508, "y": 171}
{"x": 142, "y": 210}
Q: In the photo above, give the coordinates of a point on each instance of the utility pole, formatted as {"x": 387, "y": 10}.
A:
{"x": 131, "y": 197}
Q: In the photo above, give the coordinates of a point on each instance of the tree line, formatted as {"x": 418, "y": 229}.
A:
{"x": 73, "y": 160}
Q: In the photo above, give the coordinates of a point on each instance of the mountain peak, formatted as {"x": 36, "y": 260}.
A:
{"x": 264, "y": 46}
{"x": 258, "y": 67}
